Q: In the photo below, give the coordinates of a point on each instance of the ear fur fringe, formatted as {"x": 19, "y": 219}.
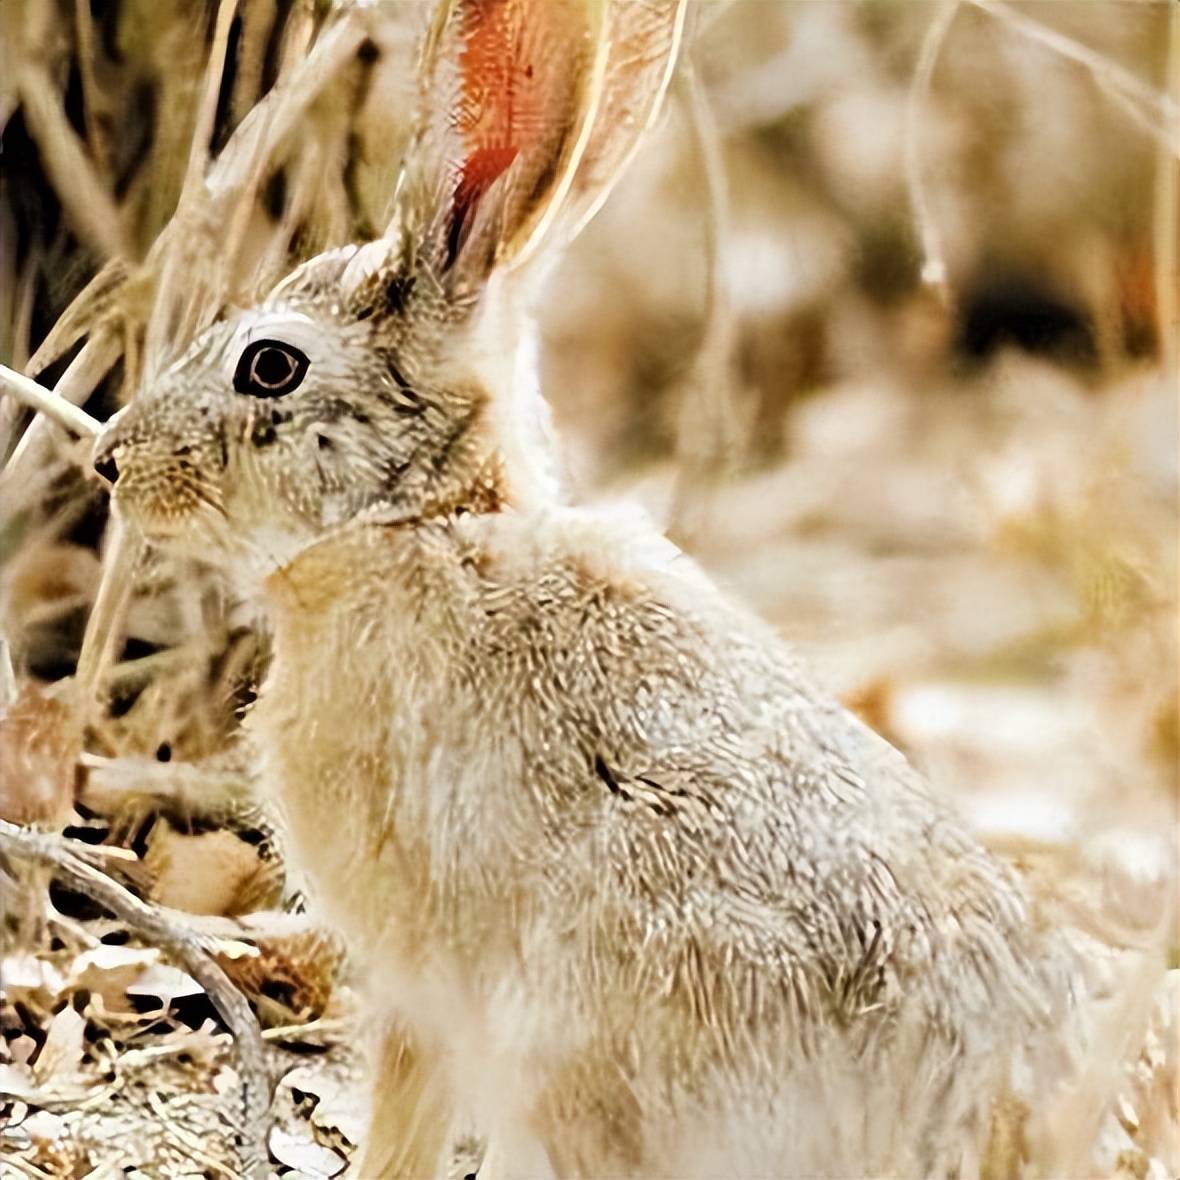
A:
{"x": 530, "y": 110}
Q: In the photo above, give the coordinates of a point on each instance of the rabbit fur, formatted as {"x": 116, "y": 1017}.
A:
{"x": 624, "y": 888}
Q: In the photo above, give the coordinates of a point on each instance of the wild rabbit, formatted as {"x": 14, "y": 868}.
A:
{"x": 626, "y": 890}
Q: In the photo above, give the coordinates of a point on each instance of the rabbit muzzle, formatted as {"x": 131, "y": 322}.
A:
{"x": 165, "y": 480}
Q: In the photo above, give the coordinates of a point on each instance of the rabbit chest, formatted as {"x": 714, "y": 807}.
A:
{"x": 381, "y": 762}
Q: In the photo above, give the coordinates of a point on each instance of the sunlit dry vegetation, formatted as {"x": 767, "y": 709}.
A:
{"x": 881, "y": 322}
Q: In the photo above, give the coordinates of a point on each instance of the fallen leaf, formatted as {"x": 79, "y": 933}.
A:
{"x": 106, "y": 967}
{"x": 27, "y": 975}
{"x": 60, "y": 1058}
{"x": 21, "y": 1048}
{"x": 17, "y": 1114}
{"x": 165, "y": 981}
{"x": 209, "y": 873}
{"x": 16, "y": 1081}
{"x": 109, "y": 972}
{"x": 309, "y": 1157}
{"x": 338, "y": 1107}
{"x": 45, "y": 1126}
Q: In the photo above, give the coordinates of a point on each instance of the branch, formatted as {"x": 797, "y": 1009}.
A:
{"x": 188, "y": 950}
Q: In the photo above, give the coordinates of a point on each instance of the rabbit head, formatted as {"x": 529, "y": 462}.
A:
{"x": 391, "y": 378}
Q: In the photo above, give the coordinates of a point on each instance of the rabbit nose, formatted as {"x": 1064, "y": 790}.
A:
{"x": 105, "y": 465}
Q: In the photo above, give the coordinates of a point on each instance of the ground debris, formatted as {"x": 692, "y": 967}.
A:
{"x": 115, "y": 1057}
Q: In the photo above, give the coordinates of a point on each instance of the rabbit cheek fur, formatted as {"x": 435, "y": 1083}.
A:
{"x": 638, "y": 900}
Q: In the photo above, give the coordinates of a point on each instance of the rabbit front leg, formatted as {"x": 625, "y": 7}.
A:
{"x": 589, "y": 1122}
{"x": 514, "y": 1153}
{"x": 410, "y": 1111}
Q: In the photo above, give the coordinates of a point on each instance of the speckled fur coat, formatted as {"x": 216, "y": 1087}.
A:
{"x": 628, "y": 894}
{"x": 643, "y": 900}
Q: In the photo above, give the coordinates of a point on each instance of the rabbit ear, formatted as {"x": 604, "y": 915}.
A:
{"x": 644, "y": 41}
{"x": 529, "y": 111}
{"x": 514, "y": 94}
{"x": 507, "y": 87}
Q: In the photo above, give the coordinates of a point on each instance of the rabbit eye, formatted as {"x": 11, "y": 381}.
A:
{"x": 269, "y": 368}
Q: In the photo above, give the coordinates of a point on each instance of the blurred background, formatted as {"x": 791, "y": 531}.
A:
{"x": 881, "y": 323}
{"x": 960, "y": 498}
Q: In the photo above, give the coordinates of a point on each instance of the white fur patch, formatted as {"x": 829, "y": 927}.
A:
{"x": 283, "y": 324}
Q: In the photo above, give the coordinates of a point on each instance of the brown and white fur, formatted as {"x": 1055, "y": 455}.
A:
{"x": 627, "y": 892}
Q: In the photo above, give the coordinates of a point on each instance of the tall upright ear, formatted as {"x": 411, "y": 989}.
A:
{"x": 529, "y": 110}
{"x": 644, "y": 42}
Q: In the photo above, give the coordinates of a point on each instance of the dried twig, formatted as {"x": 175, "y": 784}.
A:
{"x": 705, "y": 438}
{"x": 1109, "y": 75}
{"x": 934, "y": 269}
{"x": 327, "y": 1028}
{"x": 188, "y": 949}
{"x": 91, "y": 209}
{"x": 104, "y": 626}
{"x": 49, "y": 403}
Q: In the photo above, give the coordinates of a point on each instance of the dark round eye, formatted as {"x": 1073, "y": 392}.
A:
{"x": 269, "y": 368}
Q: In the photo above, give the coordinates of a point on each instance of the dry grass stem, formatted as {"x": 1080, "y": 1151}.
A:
{"x": 104, "y": 626}
{"x": 76, "y": 384}
{"x": 48, "y": 402}
{"x": 8, "y": 688}
{"x": 198, "y": 159}
{"x": 1166, "y": 228}
{"x": 95, "y": 137}
{"x": 92, "y": 210}
{"x": 706, "y": 437}
{"x": 1109, "y": 75}
{"x": 102, "y": 297}
{"x": 934, "y": 269}
{"x": 184, "y": 298}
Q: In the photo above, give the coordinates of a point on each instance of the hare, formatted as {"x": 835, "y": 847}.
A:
{"x": 625, "y": 889}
